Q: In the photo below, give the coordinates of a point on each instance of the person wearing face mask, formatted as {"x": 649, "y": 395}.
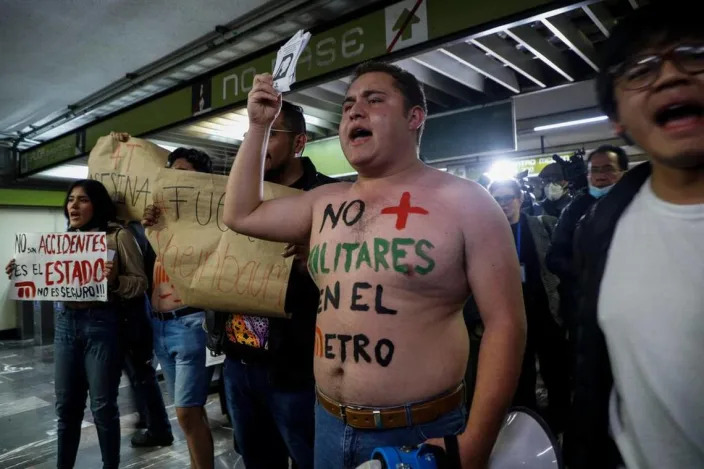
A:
{"x": 555, "y": 187}
{"x": 605, "y": 166}
{"x": 87, "y": 350}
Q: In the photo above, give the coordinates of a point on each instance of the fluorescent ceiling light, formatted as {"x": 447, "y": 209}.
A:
{"x": 502, "y": 170}
{"x": 67, "y": 171}
{"x": 589, "y": 120}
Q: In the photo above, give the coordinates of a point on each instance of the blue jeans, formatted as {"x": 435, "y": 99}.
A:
{"x": 339, "y": 446}
{"x": 269, "y": 424}
{"x": 179, "y": 345}
{"x": 147, "y": 394}
{"x": 87, "y": 357}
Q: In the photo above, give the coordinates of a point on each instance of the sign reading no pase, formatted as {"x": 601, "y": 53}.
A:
{"x": 60, "y": 267}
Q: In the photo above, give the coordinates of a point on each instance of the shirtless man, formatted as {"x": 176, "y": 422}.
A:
{"x": 395, "y": 256}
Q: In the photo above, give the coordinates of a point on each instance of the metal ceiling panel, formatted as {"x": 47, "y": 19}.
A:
{"x": 573, "y": 38}
{"x": 543, "y": 49}
{"x": 509, "y": 55}
{"x": 452, "y": 69}
{"x": 433, "y": 79}
{"x": 324, "y": 95}
{"x": 302, "y": 99}
{"x": 478, "y": 61}
{"x": 601, "y": 17}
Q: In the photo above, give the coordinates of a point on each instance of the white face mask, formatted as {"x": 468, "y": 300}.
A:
{"x": 554, "y": 191}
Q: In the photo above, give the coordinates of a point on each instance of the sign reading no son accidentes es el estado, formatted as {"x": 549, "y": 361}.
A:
{"x": 60, "y": 267}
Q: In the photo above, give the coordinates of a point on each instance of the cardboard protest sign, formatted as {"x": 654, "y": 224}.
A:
{"x": 127, "y": 167}
{"x": 60, "y": 267}
{"x": 209, "y": 265}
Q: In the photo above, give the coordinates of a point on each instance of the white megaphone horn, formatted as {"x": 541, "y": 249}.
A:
{"x": 525, "y": 442}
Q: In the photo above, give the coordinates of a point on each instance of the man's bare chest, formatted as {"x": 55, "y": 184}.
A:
{"x": 392, "y": 238}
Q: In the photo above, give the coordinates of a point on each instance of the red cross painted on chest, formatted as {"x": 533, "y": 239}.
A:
{"x": 402, "y": 210}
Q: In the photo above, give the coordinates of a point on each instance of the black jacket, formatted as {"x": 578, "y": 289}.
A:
{"x": 590, "y": 445}
{"x": 560, "y": 259}
{"x": 554, "y": 207}
{"x": 291, "y": 340}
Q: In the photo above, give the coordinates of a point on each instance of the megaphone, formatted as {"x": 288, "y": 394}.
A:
{"x": 525, "y": 441}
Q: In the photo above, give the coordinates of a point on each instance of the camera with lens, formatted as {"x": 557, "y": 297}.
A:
{"x": 574, "y": 170}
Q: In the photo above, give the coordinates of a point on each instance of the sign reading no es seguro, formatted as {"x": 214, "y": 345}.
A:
{"x": 60, "y": 267}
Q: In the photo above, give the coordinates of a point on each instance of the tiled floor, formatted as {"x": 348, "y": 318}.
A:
{"x": 28, "y": 422}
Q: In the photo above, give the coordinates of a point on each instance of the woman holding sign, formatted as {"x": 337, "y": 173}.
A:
{"x": 87, "y": 353}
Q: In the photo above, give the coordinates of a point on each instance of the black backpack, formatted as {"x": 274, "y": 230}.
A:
{"x": 135, "y": 326}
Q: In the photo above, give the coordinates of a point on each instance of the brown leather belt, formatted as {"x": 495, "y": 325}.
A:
{"x": 393, "y": 417}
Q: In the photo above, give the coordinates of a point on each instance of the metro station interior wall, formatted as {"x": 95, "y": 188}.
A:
{"x": 14, "y": 220}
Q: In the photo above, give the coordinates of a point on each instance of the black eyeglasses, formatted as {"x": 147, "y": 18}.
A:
{"x": 643, "y": 71}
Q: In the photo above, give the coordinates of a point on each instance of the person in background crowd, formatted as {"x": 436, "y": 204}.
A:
{"x": 546, "y": 338}
{"x": 179, "y": 337}
{"x": 640, "y": 255}
{"x": 555, "y": 188}
{"x": 268, "y": 371}
{"x": 605, "y": 166}
{"x": 139, "y": 353}
{"x": 87, "y": 350}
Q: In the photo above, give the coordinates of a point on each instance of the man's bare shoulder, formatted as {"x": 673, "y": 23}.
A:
{"x": 462, "y": 194}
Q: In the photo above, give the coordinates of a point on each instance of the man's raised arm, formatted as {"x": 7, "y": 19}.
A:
{"x": 494, "y": 277}
{"x": 286, "y": 219}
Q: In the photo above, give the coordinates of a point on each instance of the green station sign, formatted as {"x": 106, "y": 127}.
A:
{"x": 401, "y": 25}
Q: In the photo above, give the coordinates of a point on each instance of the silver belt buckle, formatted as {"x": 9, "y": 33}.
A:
{"x": 377, "y": 419}
{"x": 343, "y": 414}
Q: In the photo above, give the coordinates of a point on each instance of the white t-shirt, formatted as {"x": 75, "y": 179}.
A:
{"x": 651, "y": 309}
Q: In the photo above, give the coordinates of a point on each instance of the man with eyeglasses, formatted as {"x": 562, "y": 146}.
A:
{"x": 605, "y": 166}
{"x": 268, "y": 369}
{"x": 546, "y": 337}
{"x": 640, "y": 255}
